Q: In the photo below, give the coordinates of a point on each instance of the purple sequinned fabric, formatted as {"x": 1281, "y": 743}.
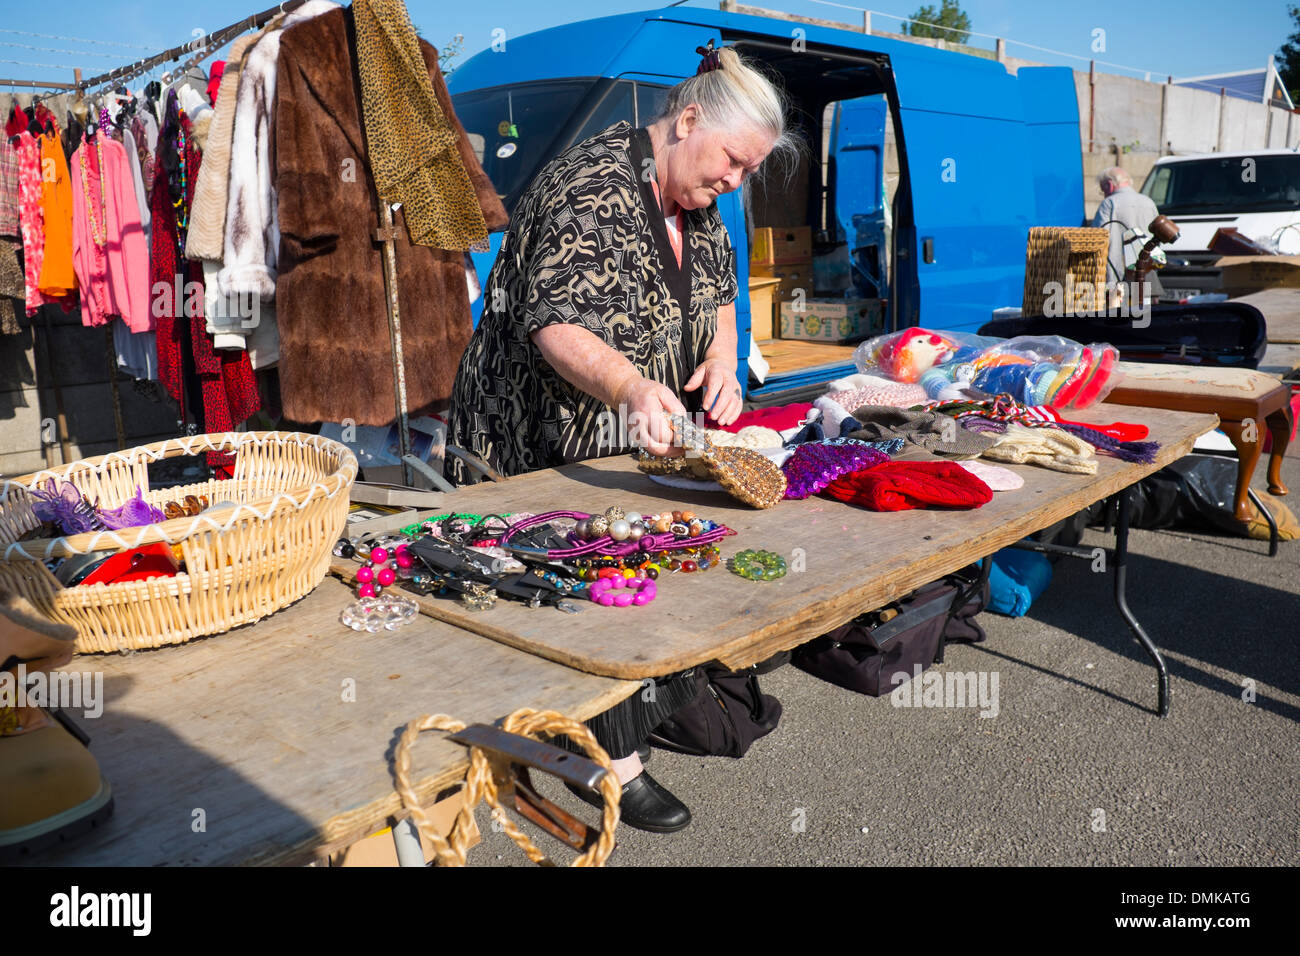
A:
{"x": 815, "y": 465}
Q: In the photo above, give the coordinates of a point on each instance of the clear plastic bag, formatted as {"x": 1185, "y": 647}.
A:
{"x": 1032, "y": 369}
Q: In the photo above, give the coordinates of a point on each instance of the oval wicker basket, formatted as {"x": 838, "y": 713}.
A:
{"x": 241, "y": 564}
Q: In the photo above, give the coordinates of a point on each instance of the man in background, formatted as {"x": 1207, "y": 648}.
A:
{"x": 1123, "y": 208}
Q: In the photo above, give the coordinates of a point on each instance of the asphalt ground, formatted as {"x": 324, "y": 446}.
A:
{"x": 1074, "y": 769}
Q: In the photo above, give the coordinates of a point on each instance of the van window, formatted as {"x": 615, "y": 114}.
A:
{"x": 516, "y": 126}
{"x": 636, "y": 102}
{"x": 616, "y": 107}
{"x": 649, "y": 101}
{"x": 1157, "y": 185}
{"x": 1227, "y": 183}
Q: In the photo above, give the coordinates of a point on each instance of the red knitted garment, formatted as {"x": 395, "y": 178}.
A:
{"x": 226, "y": 378}
{"x": 901, "y": 485}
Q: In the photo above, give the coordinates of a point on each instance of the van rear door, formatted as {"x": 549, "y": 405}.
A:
{"x": 977, "y": 180}
{"x": 856, "y": 188}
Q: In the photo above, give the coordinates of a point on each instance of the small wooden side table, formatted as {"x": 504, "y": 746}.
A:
{"x": 1246, "y": 401}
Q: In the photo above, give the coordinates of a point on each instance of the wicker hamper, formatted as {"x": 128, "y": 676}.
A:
{"x": 1073, "y": 257}
{"x": 242, "y": 563}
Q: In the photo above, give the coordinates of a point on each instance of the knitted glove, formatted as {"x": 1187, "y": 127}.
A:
{"x": 1046, "y": 447}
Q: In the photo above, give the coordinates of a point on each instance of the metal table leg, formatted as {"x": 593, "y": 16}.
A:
{"x": 1268, "y": 516}
{"x": 1119, "y": 563}
{"x": 1121, "y": 602}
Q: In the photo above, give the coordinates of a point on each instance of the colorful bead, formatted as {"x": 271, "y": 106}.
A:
{"x": 379, "y": 555}
{"x": 365, "y": 575}
{"x": 386, "y": 576}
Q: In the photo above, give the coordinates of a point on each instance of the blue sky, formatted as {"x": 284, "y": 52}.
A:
{"x": 1190, "y": 38}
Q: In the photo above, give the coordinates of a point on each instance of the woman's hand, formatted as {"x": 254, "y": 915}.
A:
{"x": 723, "y": 399}
{"x": 648, "y": 406}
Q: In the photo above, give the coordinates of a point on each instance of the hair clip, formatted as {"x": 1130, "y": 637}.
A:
{"x": 710, "y": 61}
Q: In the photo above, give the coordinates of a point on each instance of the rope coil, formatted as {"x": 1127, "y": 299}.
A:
{"x": 488, "y": 774}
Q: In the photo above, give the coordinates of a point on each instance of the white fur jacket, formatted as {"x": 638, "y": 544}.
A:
{"x": 252, "y": 234}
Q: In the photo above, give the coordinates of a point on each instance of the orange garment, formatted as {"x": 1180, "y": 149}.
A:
{"x": 57, "y": 277}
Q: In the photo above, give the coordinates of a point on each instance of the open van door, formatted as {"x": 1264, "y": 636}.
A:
{"x": 855, "y": 190}
{"x": 990, "y": 155}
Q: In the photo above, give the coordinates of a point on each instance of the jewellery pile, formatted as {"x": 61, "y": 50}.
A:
{"x": 758, "y": 565}
{"x": 629, "y": 526}
{"x": 372, "y": 614}
{"x": 614, "y": 534}
{"x": 478, "y": 597}
{"x": 382, "y": 567}
{"x": 612, "y": 558}
{"x": 686, "y": 560}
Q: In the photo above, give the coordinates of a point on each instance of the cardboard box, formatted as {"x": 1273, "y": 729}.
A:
{"x": 777, "y": 245}
{"x": 378, "y": 848}
{"x": 401, "y": 496}
{"x": 793, "y": 275}
{"x": 762, "y": 306}
{"x": 1246, "y": 274}
{"x": 833, "y": 321}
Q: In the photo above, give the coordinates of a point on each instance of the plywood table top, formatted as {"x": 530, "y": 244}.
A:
{"x": 852, "y": 560}
{"x": 252, "y": 733}
{"x": 1281, "y": 308}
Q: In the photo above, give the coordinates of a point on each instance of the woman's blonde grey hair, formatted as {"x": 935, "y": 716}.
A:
{"x": 735, "y": 96}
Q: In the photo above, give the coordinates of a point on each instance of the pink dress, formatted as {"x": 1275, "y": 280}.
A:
{"x": 114, "y": 277}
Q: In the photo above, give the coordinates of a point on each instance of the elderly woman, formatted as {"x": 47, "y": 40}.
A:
{"x": 612, "y": 298}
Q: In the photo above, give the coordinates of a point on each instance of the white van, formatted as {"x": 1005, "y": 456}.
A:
{"x": 1257, "y": 193}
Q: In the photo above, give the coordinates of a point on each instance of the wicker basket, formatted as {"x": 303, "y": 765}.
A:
{"x": 1074, "y": 258}
{"x": 241, "y": 563}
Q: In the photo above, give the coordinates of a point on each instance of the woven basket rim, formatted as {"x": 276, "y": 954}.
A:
{"x": 176, "y": 530}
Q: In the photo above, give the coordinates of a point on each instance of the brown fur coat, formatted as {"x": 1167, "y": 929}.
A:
{"x": 335, "y": 353}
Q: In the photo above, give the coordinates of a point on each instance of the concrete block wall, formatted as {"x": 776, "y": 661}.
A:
{"x": 79, "y": 356}
{"x": 1163, "y": 118}
{"x": 1193, "y": 131}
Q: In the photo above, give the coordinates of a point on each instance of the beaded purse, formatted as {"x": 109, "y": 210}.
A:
{"x": 752, "y": 478}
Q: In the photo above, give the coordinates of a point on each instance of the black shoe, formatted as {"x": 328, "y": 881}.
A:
{"x": 644, "y": 805}
{"x": 644, "y": 753}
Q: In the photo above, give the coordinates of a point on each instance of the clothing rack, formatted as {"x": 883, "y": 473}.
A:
{"x": 200, "y": 49}
{"x": 38, "y": 85}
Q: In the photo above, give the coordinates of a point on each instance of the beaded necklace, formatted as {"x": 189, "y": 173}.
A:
{"x": 98, "y": 231}
{"x": 182, "y": 207}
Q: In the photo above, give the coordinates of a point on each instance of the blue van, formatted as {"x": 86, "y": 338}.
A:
{"x": 924, "y": 172}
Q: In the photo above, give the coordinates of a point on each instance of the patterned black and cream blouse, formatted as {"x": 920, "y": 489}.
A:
{"x": 587, "y": 245}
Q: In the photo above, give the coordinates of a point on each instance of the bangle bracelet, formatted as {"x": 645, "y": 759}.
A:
{"x": 644, "y": 588}
{"x": 758, "y": 565}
